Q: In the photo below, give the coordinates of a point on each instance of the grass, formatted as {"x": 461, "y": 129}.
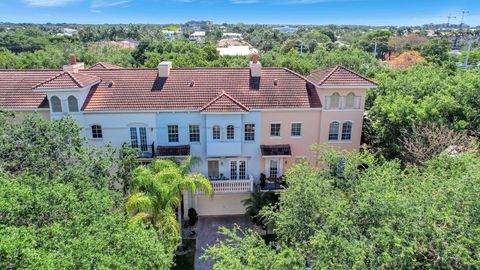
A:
{"x": 186, "y": 261}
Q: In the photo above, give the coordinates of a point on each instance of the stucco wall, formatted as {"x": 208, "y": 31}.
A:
{"x": 300, "y": 146}
{"x": 342, "y": 115}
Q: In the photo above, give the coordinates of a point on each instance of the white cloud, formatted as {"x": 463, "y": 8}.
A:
{"x": 104, "y": 3}
{"x": 49, "y": 3}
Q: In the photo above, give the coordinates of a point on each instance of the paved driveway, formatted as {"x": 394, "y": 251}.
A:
{"x": 207, "y": 228}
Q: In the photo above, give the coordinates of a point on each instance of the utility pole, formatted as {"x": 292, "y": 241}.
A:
{"x": 468, "y": 54}
{"x": 463, "y": 16}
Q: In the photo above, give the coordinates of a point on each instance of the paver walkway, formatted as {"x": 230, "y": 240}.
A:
{"x": 207, "y": 228}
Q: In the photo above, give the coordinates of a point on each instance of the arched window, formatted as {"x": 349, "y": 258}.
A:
{"x": 333, "y": 131}
{"x": 216, "y": 132}
{"x": 97, "y": 132}
{"x": 350, "y": 101}
{"x": 72, "y": 104}
{"x": 230, "y": 132}
{"x": 56, "y": 104}
{"x": 347, "y": 131}
{"x": 335, "y": 101}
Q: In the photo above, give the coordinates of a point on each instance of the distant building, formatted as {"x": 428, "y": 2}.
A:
{"x": 446, "y": 26}
{"x": 199, "y": 25}
{"x": 198, "y": 36}
{"x": 232, "y": 35}
{"x": 125, "y": 44}
{"x": 172, "y": 33}
{"x": 237, "y": 50}
{"x": 232, "y": 42}
{"x": 286, "y": 29}
{"x": 68, "y": 32}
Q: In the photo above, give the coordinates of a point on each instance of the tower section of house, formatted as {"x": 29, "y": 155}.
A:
{"x": 342, "y": 93}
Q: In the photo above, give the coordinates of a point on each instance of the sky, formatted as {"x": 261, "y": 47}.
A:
{"x": 283, "y": 12}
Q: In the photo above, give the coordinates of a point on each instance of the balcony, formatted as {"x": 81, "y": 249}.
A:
{"x": 145, "y": 151}
{"x": 231, "y": 186}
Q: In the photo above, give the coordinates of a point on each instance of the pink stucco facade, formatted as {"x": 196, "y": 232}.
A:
{"x": 315, "y": 127}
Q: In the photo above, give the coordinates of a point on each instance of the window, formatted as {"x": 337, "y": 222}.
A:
{"x": 216, "y": 132}
{"x": 194, "y": 133}
{"x": 347, "y": 131}
{"x": 273, "y": 171}
{"x": 72, "y": 104}
{"x": 56, "y": 104}
{"x": 334, "y": 101}
{"x": 172, "y": 133}
{"x": 230, "y": 132}
{"x": 333, "y": 131}
{"x": 233, "y": 170}
{"x": 138, "y": 138}
{"x": 274, "y": 130}
{"x": 296, "y": 129}
{"x": 242, "y": 169}
{"x": 213, "y": 169}
{"x": 97, "y": 132}
{"x": 249, "y": 132}
{"x": 350, "y": 101}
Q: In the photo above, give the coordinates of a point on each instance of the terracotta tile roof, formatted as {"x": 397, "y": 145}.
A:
{"x": 67, "y": 80}
{"x": 170, "y": 151}
{"x": 224, "y": 103}
{"x": 276, "y": 150}
{"x": 142, "y": 89}
{"x": 102, "y": 65}
{"x": 339, "y": 76}
{"x": 193, "y": 88}
{"x": 16, "y": 88}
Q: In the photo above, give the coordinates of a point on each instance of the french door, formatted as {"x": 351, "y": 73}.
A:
{"x": 138, "y": 137}
{"x": 274, "y": 168}
{"x": 238, "y": 169}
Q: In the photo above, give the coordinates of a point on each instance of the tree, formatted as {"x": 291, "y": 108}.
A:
{"x": 247, "y": 250}
{"x": 156, "y": 190}
{"x": 58, "y": 208}
{"x": 436, "y": 50}
{"x": 255, "y": 203}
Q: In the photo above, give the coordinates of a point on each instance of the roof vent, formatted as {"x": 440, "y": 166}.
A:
{"x": 110, "y": 84}
{"x": 275, "y": 82}
{"x": 192, "y": 83}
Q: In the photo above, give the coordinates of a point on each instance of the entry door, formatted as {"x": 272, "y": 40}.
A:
{"x": 138, "y": 136}
{"x": 213, "y": 169}
{"x": 238, "y": 169}
{"x": 273, "y": 168}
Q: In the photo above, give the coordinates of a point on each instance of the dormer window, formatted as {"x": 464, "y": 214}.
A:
{"x": 72, "y": 104}
{"x": 56, "y": 104}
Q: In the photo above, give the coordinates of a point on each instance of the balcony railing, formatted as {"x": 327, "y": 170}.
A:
{"x": 145, "y": 151}
{"x": 231, "y": 186}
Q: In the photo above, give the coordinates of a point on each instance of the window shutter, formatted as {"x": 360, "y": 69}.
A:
{"x": 357, "y": 102}
{"x": 327, "y": 102}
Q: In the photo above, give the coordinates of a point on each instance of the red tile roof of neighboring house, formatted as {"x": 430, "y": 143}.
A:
{"x": 67, "y": 80}
{"x": 102, "y": 65}
{"x": 224, "y": 103}
{"x": 16, "y": 88}
{"x": 339, "y": 76}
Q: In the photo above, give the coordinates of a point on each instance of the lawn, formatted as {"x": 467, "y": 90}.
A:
{"x": 186, "y": 261}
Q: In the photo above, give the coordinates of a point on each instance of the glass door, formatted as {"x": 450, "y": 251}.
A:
{"x": 138, "y": 137}
{"x": 238, "y": 169}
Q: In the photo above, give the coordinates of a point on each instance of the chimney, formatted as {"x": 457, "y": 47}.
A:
{"x": 73, "y": 67}
{"x": 164, "y": 69}
{"x": 255, "y": 66}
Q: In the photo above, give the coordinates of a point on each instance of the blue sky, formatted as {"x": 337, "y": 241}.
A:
{"x": 365, "y": 12}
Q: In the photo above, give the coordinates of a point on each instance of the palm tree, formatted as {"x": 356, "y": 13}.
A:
{"x": 156, "y": 191}
{"x": 255, "y": 203}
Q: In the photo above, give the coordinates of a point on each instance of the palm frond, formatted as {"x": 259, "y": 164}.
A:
{"x": 138, "y": 202}
{"x": 140, "y": 217}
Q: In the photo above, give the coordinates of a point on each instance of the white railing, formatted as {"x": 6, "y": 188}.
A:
{"x": 231, "y": 186}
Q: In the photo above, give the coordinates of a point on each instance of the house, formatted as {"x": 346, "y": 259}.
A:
{"x": 198, "y": 36}
{"x": 230, "y": 35}
{"x": 237, "y": 50}
{"x": 286, "y": 29}
{"x": 240, "y": 122}
{"x": 172, "y": 33}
